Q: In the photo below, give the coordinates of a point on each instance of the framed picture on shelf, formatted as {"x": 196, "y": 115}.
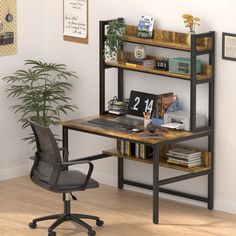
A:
{"x": 229, "y": 46}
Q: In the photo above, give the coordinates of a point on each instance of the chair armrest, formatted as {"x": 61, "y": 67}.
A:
{"x": 66, "y": 154}
{"x": 89, "y": 173}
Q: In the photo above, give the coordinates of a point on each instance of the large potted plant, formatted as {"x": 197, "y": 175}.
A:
{"x": 40, "y": 92}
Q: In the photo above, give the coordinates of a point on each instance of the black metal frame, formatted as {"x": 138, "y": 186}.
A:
{"x": 206, "y": 131}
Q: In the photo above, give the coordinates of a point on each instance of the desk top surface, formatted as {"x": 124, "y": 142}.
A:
{"x": 163, "y": 134}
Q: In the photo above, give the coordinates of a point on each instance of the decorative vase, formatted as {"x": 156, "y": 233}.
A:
{"x": 189, "y": 38}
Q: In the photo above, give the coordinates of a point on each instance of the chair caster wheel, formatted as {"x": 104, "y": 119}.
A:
{"x": 52, "y": 233}
{"x": 91, "y": 233}
{"x": 99, "y": 223}
{"x": 33, "y": 225}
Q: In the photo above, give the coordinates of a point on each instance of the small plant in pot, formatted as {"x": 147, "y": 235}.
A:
{"x": 40, "y": 92}
{"x": 114, "y": 41}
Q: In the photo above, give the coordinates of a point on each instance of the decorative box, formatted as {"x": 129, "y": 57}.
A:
{"x": 182, "y": 65}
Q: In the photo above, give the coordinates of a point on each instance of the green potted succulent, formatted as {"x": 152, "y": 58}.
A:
{"x": 40, "y": 92}
{"x": 114, "y": 40}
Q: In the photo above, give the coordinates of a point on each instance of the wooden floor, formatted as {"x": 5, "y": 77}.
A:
{"x": 125, "y": 213}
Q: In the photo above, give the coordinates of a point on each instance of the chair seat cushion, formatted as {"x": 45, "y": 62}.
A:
{"x": 73, "y": 180}
{"x": 68, "y": 181}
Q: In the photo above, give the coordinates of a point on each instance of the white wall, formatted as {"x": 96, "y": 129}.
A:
{"x": 30, "y": 27}
{"x": 83, "y": 59}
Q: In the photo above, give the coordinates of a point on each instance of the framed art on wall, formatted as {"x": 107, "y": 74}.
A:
{"x": 229, "y": 46}
{"x": 75, "y": 21}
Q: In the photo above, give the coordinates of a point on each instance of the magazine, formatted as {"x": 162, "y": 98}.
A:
{"x": 145, "y": 27}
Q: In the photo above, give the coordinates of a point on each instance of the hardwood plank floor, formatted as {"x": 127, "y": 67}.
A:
{"x": 125, "y": 213}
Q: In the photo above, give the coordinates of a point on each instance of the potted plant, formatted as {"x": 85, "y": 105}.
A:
{"x": 190, "y": 22}
{"x": 40, "y": 93}
{"x": 114, "y": 41}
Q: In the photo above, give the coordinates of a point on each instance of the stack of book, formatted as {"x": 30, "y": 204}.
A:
{"x": 135, "y": 150}
{"x": 141, "y": 63}
{"x": 184, "y": 157}
{"x": 118, "y": 107}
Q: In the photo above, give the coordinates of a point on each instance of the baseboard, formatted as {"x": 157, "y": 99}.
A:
{"x": 220, "y": 205}
{"x": 225, "y": 206}
{"x": 13, "y": 172}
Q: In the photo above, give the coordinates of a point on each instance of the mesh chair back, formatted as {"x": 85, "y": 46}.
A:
{"x": 47, "y": 152}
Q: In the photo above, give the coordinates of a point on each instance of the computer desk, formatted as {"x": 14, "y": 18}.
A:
{"x": 167, "y": 137}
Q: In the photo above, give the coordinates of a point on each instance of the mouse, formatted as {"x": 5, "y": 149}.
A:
{"x": 136, "y": 129}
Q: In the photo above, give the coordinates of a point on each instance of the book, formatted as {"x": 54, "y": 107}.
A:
{"x": 166, "y": 103}
{"x": 184, "y": 152}
{"x": 146, "y": 152}
{"x": 121, "y": 147}
{"x": 141, "y": 61}
{"x": 185, "y": 164}
{"x": 170, "y": 156}
{"x": 159, "y": 108}
{"x": 184, "y": 161}
{"x": 139, "y": 66}
{"x": 137, "y": 150}
{"x": 145, "y": 27}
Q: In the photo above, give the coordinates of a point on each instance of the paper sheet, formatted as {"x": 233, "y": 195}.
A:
{"x": 75, "y": 18}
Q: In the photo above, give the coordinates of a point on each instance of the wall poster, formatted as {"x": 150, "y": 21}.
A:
{"x": 75, "y": 23}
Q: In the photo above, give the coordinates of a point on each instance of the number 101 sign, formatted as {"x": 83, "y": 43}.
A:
{"x": 140, "y": 102}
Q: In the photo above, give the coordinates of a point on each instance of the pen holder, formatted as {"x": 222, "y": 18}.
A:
{"x": 146, "y": 123}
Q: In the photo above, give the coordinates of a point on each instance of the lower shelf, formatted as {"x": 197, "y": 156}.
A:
{"x": 163, "y": 163}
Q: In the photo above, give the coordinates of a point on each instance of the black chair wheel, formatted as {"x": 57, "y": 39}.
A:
{"x": 91, "y": 233}
{"x": 33, "y": 225}
{"x": 99, "y": 223}
{"x": 52, "y": 233}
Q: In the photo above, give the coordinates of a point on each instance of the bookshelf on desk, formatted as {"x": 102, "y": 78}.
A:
{"x": 200, "y": 44}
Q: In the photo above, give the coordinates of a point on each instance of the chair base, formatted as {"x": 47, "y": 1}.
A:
{"x": 67, "y": 216}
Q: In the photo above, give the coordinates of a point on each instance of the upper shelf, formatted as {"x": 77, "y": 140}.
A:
{"x": 168, "y": 39}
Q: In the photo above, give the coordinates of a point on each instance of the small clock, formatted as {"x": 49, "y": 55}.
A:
{"x": 162, "y": 64}
{"x": 9, "y": 17}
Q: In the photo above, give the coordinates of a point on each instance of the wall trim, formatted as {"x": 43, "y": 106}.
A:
{"x": 14, "y": 172}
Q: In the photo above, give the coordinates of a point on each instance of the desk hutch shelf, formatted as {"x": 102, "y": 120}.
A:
{"x": 201, "y": 44}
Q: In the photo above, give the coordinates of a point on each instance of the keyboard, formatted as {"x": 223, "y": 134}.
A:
{"x": 111, "y": 124}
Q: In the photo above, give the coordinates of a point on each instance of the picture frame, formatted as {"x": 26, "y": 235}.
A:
{"x": 229, "y": 46}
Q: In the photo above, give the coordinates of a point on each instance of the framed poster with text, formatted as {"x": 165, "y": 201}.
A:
{"x": 75, "y": 21}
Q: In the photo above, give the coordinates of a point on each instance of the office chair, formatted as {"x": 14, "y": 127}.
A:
{"x": 51, "y": 171}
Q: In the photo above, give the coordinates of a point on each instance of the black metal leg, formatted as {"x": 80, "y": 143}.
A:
{"x": 120, "y": 173}
{"x": 83, "y": 216}
{"x": 155, "y": 184}
{"x": 77, "y": 220}
{"x": 57, "y": 223}
{"x": 120, "y": 83}
{"x": 211, "y": 174}
{"x": 51, "y": 217}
